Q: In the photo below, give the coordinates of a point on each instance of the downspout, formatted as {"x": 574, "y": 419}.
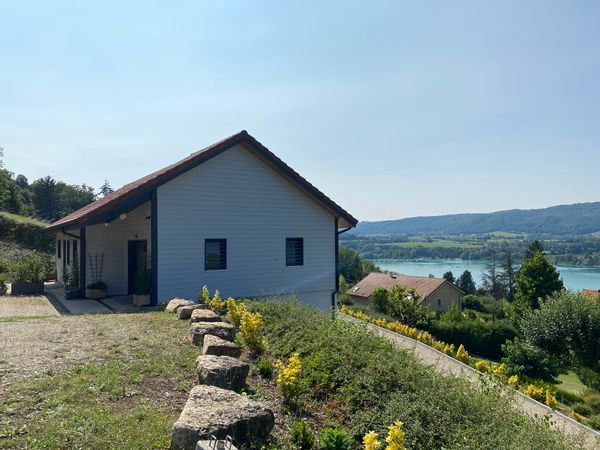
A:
{"x": 337, "y": 269}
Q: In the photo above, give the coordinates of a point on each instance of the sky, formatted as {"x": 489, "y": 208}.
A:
{"x": 393, "y": 109}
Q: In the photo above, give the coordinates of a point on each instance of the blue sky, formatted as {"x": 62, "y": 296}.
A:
{"x": 392, "y": 108}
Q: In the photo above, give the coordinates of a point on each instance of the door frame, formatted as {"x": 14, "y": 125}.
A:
{"x": 131, "y": 260}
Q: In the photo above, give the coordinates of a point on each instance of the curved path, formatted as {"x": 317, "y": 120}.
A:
{"x": 450, "y": 366}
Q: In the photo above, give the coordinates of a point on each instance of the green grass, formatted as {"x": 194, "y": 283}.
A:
{"x": 570, "y": 382}
{"x": 129, "y": 400}
{"x": 23, "y": 219}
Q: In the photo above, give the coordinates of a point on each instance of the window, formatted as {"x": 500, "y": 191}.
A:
{"x": 215, "y": 254}
{"x": 294, "y": 251}
{"x": 58, "y": 252}
{"x": 439, "y": 302}
{"x": 68, "y": 255}
{"x": 74, "y": 248}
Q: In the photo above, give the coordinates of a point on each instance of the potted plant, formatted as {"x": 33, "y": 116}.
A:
{"x": 3, "y": 287}
{"x": 143, "y": 285}
{"x": 28, "y": 275}
{"x": 72, "y": 289}
{"x": 97, "y": 289}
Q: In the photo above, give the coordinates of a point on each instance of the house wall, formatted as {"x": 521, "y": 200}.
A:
{"x": 61, "y": 263}
{"x": 450, "y": 298}
{"x": 112, "y": 241}
{"x": 236, "y": 196}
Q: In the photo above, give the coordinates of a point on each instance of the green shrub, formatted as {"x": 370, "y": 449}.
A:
{"x": 589, "y": 377}
{"x": 371, "y": 383}
{"x": 568, "y": 398}
{"x": 582, "y": 408}
{"x": 33, "y": 268}
{"x": 2, "y": 282}
{"x": 302, "y": 437}
{"x": 265, "y": 367}
{"x": 594, "y": 422}
{"x": 335, "y": 439}
{"x": 592, "y": 399}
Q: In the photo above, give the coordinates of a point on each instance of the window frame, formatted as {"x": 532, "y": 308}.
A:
{"x": 220, "y": 241}
{"x": 75, "y": 247}
{"x": 287, "y": 260}
{"x": 59, "y": 249}
{"x": 68, "y": 255}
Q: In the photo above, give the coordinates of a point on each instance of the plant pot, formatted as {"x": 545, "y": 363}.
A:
{"x": 26, "y": 288}
{"x": 72, "y": 294}
{"x": 97, "y": 294}
{"x": 141, "y": 300}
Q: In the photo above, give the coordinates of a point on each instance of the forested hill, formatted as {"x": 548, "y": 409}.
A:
{"x": 577, "y": 219}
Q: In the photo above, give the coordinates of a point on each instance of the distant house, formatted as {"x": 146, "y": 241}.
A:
{"x": 436, "y": 293}
{"x": 590, "y": 293}
{"x": 232, "y": 216}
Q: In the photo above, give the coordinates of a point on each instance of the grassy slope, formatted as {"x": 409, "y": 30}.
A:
{"x": 570, "y": 382}
{"x": 128, "y": 401}
{"x": 23, "y": 219}
{"x": 359, "y": 382}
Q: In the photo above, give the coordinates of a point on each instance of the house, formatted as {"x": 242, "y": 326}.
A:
{"x": 436, "y": 293}
{"x": 232, "y": 216}
{"x": 590, "y": 294}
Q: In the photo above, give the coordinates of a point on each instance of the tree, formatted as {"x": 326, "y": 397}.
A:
{"x": 536, "y": 279}
{"x": 465, "y": 283}
{"x": 449, "y": 276}
{"x": 508, "y": 276}
{"x": 534, "y": 247}
{"x": 352, "y": 267}
{"x": 72, "y": 197}
{"x": 22, "y": 181}
{"x": 105, "y": 189}
{"x": 45, "y": 198}
{"x": 1, "y": 157}
{"x": 491, "y": 280}
{"x": 402, "y": 304}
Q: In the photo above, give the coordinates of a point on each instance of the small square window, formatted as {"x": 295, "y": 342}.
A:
{"x": 215, "y": 254}
{"x": 294, "y": 251}
{"x": 439, "y": 302}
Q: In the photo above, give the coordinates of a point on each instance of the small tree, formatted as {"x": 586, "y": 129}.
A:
{"x": 508, "y": 276}
{"x": 536, "y": 279}
{"x": 105, "y": 189}
{"x": 465, "y": 283}
{"x": 492, "y": 281}
{"x": 449, "y": 276}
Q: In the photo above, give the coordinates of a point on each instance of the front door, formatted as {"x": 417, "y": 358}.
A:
{"x": 137, "y": 260}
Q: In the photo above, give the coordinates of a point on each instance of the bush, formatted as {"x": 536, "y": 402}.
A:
{"x": 568, "y": 398}
{"x": 582, "y": 409}
{"x": 527, "y": 360}
{"x": 589, "y": 377}
{"x": 592, "y": 399}
{"x": 265, "y": 367}
{"x": 335, "y": 439}
{"x": 372, "y": 383}
{"x": 302, "y": 437}
{"x": 2, "y": 282}
{"x": 251, "y": 331}
{"x": 594, "y": 422}
{"x": 34, "y": 268}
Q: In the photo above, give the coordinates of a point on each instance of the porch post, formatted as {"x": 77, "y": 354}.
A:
{"x": 82, "y": 269}
{"x": 154, "y": 246}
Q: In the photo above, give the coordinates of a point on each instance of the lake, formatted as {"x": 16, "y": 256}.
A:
{"x": 575, "y": 278}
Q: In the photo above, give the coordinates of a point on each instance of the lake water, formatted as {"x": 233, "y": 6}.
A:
{"x": 575, "y": 278}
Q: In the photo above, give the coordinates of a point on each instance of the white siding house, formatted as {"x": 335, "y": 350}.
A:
{"x": 232, "y": 216}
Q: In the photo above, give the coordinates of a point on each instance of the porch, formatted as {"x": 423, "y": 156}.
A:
{"x": 113, "y": 304}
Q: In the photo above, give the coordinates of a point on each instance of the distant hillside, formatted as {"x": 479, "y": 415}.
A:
{"x": 577, "y": 219}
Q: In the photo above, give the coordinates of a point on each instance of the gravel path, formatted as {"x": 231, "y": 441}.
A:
{"x": 450, "y": 366}
{"x": 33, "y": 306}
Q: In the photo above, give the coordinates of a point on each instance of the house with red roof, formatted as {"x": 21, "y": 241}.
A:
{"x": 232, "y": 216}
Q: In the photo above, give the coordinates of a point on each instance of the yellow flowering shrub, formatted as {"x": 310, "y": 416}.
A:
{"x": 535, "y": 392}
{"x": 462, "y": 354}
{"x": 215, "y": 303}
{"x": 449, "y": 349}
{"x": 288, "y": 377}
{"x": 235, "y": 310}
{"x": 499, "y": 371}
{"x": 551, "y": 399}
{"x": 482, "y": 366}
{"x": 204, "y": 296}
{"x": 250, "y": 331}
{"x": 395, "y": 437}
{"x": 370, "y": 441}
{"x": 513, "y": 380}
{"x": 578, "y": 417}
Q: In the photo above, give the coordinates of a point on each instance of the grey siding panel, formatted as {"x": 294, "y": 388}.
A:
{"x": 236, "y": 196}
{"x": 112, "y": 241}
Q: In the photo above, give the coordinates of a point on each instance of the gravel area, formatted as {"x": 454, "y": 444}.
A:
{"x": 31, "y": 347}
{"x": 26, "y": 306}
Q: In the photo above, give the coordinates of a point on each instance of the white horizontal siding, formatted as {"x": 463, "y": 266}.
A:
{"x": 238, "y": 197}
{"x": 112, "y": 241}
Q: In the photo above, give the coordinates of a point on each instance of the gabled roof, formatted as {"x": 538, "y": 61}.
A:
{"x": 135, "y": 189}
{"x": 425, "y": 286}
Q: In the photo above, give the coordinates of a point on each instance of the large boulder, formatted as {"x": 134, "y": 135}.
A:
{"x": 222, "y": 371}
{"x": 214, "y": 345}
{"x": 212, "y": 411}
{"x": 177, "y": 303}
{"x": 220, "y": 329}
{"x": 204, "y": 315}
{"x": 185, "y": 312}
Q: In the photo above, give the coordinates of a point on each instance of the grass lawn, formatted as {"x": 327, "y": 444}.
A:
{"x": 125, "y": 390}
{"x": 23, "y": 219}
{"x": 570, "y": 382}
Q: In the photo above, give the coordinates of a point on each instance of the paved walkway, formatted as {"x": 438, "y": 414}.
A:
{"x": 450, "y": 366}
